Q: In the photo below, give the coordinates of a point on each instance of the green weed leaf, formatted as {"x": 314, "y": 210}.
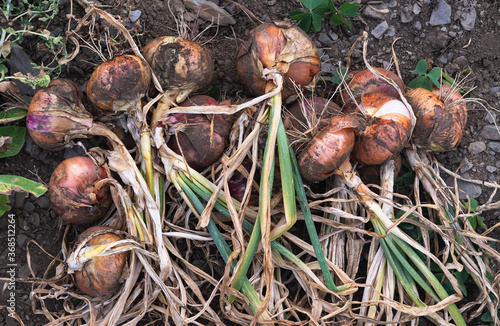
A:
{"x": 10, "y": 183}
{"x": 10, "y": 115}
{"x": 421, "y": 68}
{"x": 4, "y": 204}
{"x": 435, "y": 76}
{"x": 350, "y": 9}
{"x": 17, "y": 134}
{"x": 339, "y": 75}
{"x": 421, "y": 81}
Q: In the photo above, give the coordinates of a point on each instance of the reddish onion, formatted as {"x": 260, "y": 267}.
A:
{"x": 119, "y": 84}
{"x": 331, "y": 147}
{"x": 238, "y": 185}
{"x": 101, "y": 275}
{"x": 280, "y": 46}
{"x": 182, "y": 66}
{"x": 364, "y": 82}
{"x": 74, "y": 192}
{"x": 200, "y": 138}
{"x": 387, "y": 131}
{"x": 56, "y": 115}
{"x": 441, "y": 118}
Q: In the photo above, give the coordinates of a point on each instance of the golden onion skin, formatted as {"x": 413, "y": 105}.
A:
{"x": 182, "y": 66}
{"x": 56, "y": 115}
{"x": 439, "y": 126}
{"x": 387, "y": 131}
{"x": 100, "y": 276}
{"x": 73, "y": 192}
{"x": 119, "y": 84}
{"x": 363, "y": 82}
{"x": 280, "y": 46}
{"x": 326, "y": 152}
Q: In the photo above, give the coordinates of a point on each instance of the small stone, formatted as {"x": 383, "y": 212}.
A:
{"x": 391, "y": 32}
{"x": 490, "y": 116}
{"x": 376, "y": 11}
{"x": 452, "y": 34}
{"x": 417, "y": 25}
{"x": 407, "y": 14}
{"x": 461, "y": 61}
{"x": 22, "y": 239}
{"x": 443, "y": 59}
{"x": 490, "y": 132}
{"x": 477, "y": 147}
{"x": 134, "y": 15}
{"x": 29, "y": 207}
{"x": 441, "y": 15}
{"x": 43, "y": 202}
{"x": 381, "y": 28}
{"x": 36, "y": 219}
{"x": 465, "y": 165}
{"x": 416, "y": 9}
{"x": 19, "y": 199}
{"x": 468, "y": 19}
{"x": 494, "y": 146}
{"x": 490, "y": 168}
{"x": 334, "y": 36}
{"x": 325, "y": 40}
{"x": 465, "y": 188}
{"x": 495, "y": 90}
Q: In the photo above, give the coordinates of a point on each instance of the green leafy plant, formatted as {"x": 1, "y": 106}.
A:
{"x": 425, "y": 79}
{"x": 339, "y": 75}
{"x": 11, "y": 142}
{"x": 20, "y": 19}
{"x": 313, "y": 12}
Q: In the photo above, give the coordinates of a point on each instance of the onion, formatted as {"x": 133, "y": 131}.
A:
{"x": 440, "y": 125}
{"x": 56, "y": 115}
{"x": 331, "y": 147}
{"x": 364, "y": 82}
{"x": 280, "y": 46}
{"x": 119, "y": 84}
{"x": 387, "y": 131}
{"x": 200, "y": 138}
{"x": 306, "y": 117}
{"x": 238, "y": 185}
{"x": 74, "y": 191}
{"x": 101, "y": 275}
{"x": 182, "y": 66}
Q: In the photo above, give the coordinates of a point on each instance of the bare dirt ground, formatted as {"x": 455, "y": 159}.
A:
{"x": 470, "y": 40}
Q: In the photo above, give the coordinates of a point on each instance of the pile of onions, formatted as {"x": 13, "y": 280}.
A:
{"x": 281, "y": 46}
{"x": 182, "y": 66}
{"x": 388, "y": 128}
{"x": 56, "y": 115}
{"x": 119, "y": 84}
{"x": 101, "y": 275}
{"x": 441, "y": 118}
{"x": 200, "y": 138}
{"x": 364, "y": 82}
{"x": 329, "y": 149}
{"x": 76, "y": 193}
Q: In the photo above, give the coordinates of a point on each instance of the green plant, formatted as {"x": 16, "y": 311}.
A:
{"x": 426, "y": 79}
{"x": 316, "y": 10}
{"x": 20, "y": 19}
{"x": 11, "y": 142}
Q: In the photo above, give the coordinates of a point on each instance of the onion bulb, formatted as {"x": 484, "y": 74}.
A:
{"x": 364, "y": 82}
{"x": 182, "y": 66}
{"x": 388, "y": 129}
{"x": 200, "y": 138}
{"x": 56, "y": 115}
{"x": 279, "y": 46}
{"x": 238, "y": 185}
{"x": 331, "y": 147}
{"x": 441, "y": 118}
{"x": 119, "y": 84}
{"x": 306, "y": 117}
{"x": 75, "y": 193}
{"x": 101, "y": 275}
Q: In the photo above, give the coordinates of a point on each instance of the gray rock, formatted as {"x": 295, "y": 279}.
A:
{"x": 391, "y": 31}
{"x": 20, "y": 197}
{"x": 134, "y": 15}
{"x": 334, "y": 36}
{"x": 21, "y": 240}
{"x": 29, "y": 207}
{"x": 380, "y": 29}
{"x": 465, "y": 165}
{"x": 417, "y": 25}
{"x": 495, "y": 146}
{"x": 461, "y": 61}
{"x": 490, "y": 168}
{"x": 43, "y": 202}
{"x": 407, "y": 14}
{"x": 441, "y": 15}
{"x": 477, "y": 147}
{"x": 19, "y": 61}
{"x": 443, "y": 59}
{"x": 376, "y": 11}
{"x": 468, "y": 19}
{"x": 490, "y": 116}
{"x": 490, "y": 132}
{"x": 325, "y": 40}
{"x": 465, "y": 188}
{"x": 36, "y": 219}
{"x": 495, "y": 90}
{"x": 416, "y": 9}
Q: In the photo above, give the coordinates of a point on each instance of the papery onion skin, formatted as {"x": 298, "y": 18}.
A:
{"x": 100, "y": 276}
{"x": 363, "y": 82}
{"x": 200, "y": 138}
{"x": 306, "y": 117}
{"x": 56, "y": 115}
{"x": 280, "y": 46}
{"x": 439, "y": 126}
{"x": 119, "y": 84}
{"x": 73, "y": 193}
{"x": 385, "y": 135}
{"x": 326, "y": 152}
{"x": 182, "y": 66}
